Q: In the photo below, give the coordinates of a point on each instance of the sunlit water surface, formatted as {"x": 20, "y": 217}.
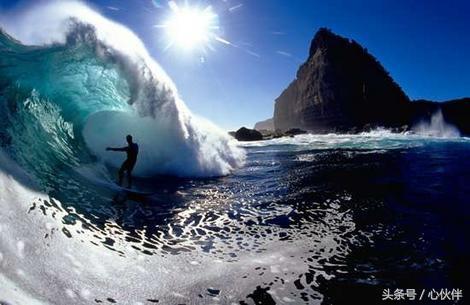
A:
{"x": 307, "y": 220}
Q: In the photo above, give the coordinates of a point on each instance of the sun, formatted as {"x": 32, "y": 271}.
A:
{"x": 190, "y": 27}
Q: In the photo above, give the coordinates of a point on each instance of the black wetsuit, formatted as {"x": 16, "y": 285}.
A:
{"x": 132, "y": 151}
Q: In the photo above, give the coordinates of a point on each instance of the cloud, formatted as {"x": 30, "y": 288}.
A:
{"x": 226, "y": 42}
{"x": 236, "y": 7}
{"x": 283, "y": 53}
{"x": 252, "y": 53}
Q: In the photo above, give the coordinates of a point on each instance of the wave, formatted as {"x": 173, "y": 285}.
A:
{"x": 78, "y": 82}
{"x": 436, "y": 127}
{"x": 380, "y": 138}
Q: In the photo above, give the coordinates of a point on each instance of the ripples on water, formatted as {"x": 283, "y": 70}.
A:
{"x": 353, "y": 221}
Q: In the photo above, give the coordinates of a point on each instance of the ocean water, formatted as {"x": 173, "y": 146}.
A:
{"x": 314, "y": 219}
{"x": 307, "y": 220}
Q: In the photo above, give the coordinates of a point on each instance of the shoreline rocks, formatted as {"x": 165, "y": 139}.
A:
{"x": 245, "y": 134}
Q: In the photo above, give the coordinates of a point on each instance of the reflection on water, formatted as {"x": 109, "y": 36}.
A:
{"x": 352, "y": 220}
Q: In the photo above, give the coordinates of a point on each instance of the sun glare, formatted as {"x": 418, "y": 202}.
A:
{"x": 190, "y": 27}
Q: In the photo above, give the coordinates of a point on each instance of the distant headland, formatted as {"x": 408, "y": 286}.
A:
{"x": 343, "y": 88}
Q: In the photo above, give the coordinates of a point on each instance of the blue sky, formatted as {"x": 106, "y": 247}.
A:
{"x": 423, "y": 44}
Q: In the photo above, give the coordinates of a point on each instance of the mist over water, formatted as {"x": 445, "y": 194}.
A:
{"x": 314, "y": 219}
{"x": 436, "y": 127}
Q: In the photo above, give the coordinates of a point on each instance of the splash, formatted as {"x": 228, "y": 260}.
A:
{"x": 96, "y": 77}
{"x": 436, "y": 127}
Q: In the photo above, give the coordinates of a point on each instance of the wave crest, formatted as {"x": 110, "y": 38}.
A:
{"x": 436, "y": 127}
{"x": 104, "y": 83}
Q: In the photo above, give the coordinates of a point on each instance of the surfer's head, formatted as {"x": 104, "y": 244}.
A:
{"x": 129, "y": 139}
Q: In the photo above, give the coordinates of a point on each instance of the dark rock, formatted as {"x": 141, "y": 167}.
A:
{"x": 342, "y": 88}
{"x": 213, "y": 292}
{"x": 245, "y": 134}
{"x": 261, "y": 296}
{"x": 294, "y": 131}
{"x": 339, "y": 87}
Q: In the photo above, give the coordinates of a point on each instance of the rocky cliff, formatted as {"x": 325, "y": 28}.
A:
{"x": 340, "y": 86}
{"x": 265, "y": 125}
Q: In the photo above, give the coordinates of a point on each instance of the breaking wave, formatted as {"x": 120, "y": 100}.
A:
{"x": 436, "y": 127}
{"x": 82, "y": 83}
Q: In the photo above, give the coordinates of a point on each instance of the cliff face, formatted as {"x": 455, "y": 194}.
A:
{"x": 265, "y": 125}
{"x": 340, "y": 86}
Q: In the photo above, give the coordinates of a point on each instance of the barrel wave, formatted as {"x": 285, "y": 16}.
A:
{"x": 81, "y": 83}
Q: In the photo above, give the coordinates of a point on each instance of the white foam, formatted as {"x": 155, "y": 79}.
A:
{"x": 436, "y": 127}
{"x": 379, "y": 139}
{"x": 48, "y": 269}
{"x": 164, "y": 149}
{"x": 20, "y": 248}
{"x": 173, "y": 141}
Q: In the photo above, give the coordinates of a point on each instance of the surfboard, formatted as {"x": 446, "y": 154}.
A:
{"x": 118, "y": 188}
{"x": 113, "y": 186}
{"x": 134, "y": 191}
{"x": 123, "y": 193}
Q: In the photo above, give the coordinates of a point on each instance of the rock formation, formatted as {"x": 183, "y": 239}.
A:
{"x": 341, "y": 87}
{"x": 245, "y": 134}
{"x": 265, "y": 125}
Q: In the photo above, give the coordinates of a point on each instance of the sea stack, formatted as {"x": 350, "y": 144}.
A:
{"x": 339, "y": 88}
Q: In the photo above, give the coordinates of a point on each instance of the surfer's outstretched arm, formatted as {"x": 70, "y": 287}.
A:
{"x": 117, "y": 149}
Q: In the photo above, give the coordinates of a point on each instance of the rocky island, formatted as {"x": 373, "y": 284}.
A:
{"x": 343, "y": 88}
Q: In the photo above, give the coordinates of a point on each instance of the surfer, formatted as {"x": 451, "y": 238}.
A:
{"x": 132, "y": 149}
